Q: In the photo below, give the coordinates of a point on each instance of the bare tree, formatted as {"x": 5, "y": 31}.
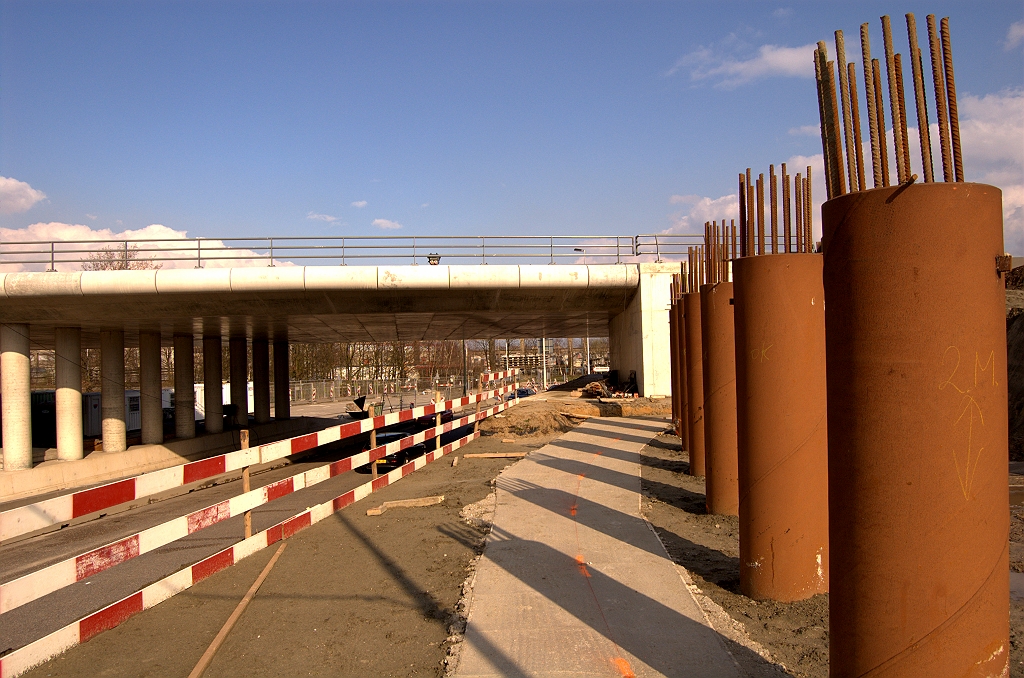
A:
{"x": 118, "y": 258}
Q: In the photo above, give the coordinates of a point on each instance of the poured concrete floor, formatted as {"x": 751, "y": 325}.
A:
{"x": 573, "y": 582}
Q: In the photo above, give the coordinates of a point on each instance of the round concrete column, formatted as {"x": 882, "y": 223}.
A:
{"x": 184, "y": 387}
{"x": 261, "y": 380}
{"x": 239, "y": 380}
{"x": 112, "y": 390}
{"x": 68, "y": 378}
{"x": 150, "y": 391}
{"x": 282, "y": 381}
{"x": 17, "y": 396}
{"x": 213, "y": 398}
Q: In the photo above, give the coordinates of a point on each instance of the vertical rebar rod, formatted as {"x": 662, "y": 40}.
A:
{"x": 773, "y": 192}
{"x": 750, "y": 213}
{"x": 798, "y": 210}
{"x": 858, "y": 141}
{"x": 954, "y": 117}
{"x": 743, "y": 216}
{"x": 898, "y": 58}
{"x": 732, "y": 224}
{"x": 894, "y": 100}
{"x": 876, "y": 76}
{"x": 809, "y": 216}
{"x": 920, "y": 103}
{"x": 939, "y": 84}
{"x": 819, "y": 82}
{"x": 837, "y": 143}
{"x": 844, "y": 97}
{"x": 869, "y": 99}
{"x": 760, "y": 213}
{"x": 786, "y": 226}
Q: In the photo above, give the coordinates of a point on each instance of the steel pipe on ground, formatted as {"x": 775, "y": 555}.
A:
{"x": 781, "y": 426}
{"x": 694, "y": 382}
{"x": 719, "y": 344}
{"x": 917, "y": 432}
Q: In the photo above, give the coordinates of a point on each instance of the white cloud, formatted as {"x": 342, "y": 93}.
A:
{"x": 173, "y": 249}
{"x": 92, "y": 216}
{"x": 425, "y": 205}
{"x": 729, "y": 70}
{"x": 701, "y": 209}
{"x": 17, "y": 196}
{"x": 386, "y": 224}
{"x": 783, "y": 12}
{"x": 360, "y": 204}
{"x": 806, "y": 131}
{"x": 321, "y": 217}
{"x": 1014, "y": 35}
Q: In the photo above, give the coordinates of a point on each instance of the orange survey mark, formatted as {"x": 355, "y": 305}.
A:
{"x": 582, "y": 565}
{"x": 623, "y": 667}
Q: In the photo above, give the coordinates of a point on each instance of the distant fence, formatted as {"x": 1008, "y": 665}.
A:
{"x": 69, "y": 255}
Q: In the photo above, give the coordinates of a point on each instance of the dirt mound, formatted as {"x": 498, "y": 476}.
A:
{"x": 577, "y": 383}
{"x": 619, "y": 407}
{"x": 529, "y": 418}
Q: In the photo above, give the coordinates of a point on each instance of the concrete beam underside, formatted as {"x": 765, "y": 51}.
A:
{"x": 326, "y": 304}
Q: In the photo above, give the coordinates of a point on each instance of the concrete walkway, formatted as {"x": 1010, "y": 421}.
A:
{"x": 573, "y": 582}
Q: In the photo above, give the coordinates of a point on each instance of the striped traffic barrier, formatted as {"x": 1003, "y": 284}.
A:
{"x": 21, "y": 660}
{"x": 45, "y": 581}
{"x": 67, "y": 507}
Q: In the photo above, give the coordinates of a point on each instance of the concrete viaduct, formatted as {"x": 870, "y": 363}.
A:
{"x": 267, "y": 307}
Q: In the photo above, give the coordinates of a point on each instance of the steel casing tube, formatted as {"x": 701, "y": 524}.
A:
{"x": 781, "y": 426}
{"x": 917, "y": 432}
{"x": 719, "y": 344}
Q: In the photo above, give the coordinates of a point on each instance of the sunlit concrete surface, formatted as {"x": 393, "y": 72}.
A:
{"x": 573, "y": 582}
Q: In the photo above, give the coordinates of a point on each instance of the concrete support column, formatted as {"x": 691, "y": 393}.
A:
{"x": 239, "y": 380}
{"x": 150, "y": 389}
{"x": 213, "y": 397}
{"x": 115, "y": 437}
{"x": 68, "y": 380}
{"x": 282, "y": 380}
{"x": 184, "y": 387}
{"x": 16, "y": 384}
{"x": 261, "y": 380}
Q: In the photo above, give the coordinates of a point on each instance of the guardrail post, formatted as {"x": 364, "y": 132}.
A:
{"x": 657, "y": 248}
{"x": 271, "y": 252}
{"x": 53, "y": 267}
{"x": 437, "y": 419}
{"x": 552, "y": 241}
{"x": 199, "y": 252}
{"x": 483, "y": 247}
{"x": 618, "y": 258}
{"x": 243, "y": 439}
{"x": 479, "y": 392}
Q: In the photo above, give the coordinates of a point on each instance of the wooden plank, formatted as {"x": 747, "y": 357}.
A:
{"x": 405, "y": 503}
{"x": 497, "y": 455}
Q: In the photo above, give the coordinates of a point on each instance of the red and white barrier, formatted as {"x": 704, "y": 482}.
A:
{"x": 45, "y": 581}
{"x": 21, "y": 660}
{"x": 64, "y": 508}
{"x": 487, "y": 377}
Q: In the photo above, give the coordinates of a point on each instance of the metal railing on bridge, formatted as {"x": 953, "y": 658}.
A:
{"x": 72, "y": 255}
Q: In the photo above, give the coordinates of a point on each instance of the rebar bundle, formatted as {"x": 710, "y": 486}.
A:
{"x": 839, "y": 111}
{"x": 795, "y": 234}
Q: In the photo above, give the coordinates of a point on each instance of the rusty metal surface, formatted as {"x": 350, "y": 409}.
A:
{"x": 680, "y": 320}
{"x": 719, "y": 375}
{"x": 694, "y": 382}
{"x": 781, "y": 426}
{"x": 917, "y": 432}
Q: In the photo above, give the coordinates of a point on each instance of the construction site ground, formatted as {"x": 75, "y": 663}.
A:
{"x": 359, "y": 595}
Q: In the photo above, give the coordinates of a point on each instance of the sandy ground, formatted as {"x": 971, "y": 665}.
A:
{"x": 353, "y": 595}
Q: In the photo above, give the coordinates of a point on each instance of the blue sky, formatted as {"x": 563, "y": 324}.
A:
{"x": 236, "y": 119}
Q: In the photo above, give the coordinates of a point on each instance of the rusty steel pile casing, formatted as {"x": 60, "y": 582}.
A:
{"x": 781, "y": 426}
{"x": 917, "y": 431}
{"x": 674, "y": 359}
{"x": 719, "y": 373}
{"x": 683, "y": 405}
{"x": 694, "y": 382}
